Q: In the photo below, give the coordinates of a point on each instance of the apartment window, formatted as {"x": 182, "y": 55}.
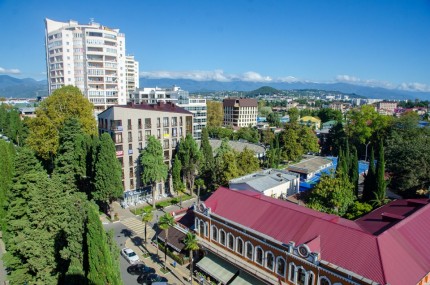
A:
{"x": 174, "y": 121}
{"x": 158, "y": 123}
{"x": 166, "y": 132}
{"x": 147, "y": 123}
{"x": 131, "y": 184}
{"x": 130, "y": 160}
{"x": 166, "y": 155}
{"x": 140, "y": 146}
{"x": 301, "y": 276}
{"x": 180, "y": 121}
{"x": 174, "y": 132}
{"x": 165, "y": 121}
{"x": 180, "y": 132}
{"x": 147, "y": 134}
{"x": 158, "y": 134}
{"x": 166, "y": 144}
{"x": 121, "y": 161}
{"x": 174, "y": 143}
{"x": 130, "y": 137}
{"x": 118, "y": 138}
{"x": 139, "y": 124}
{"x": 131, "y": 172}
{"x": 129, "y": 124}
{"x": 139, "y": 135}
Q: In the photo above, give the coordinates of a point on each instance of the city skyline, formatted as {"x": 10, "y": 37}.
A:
{"x": 378, "y": 43}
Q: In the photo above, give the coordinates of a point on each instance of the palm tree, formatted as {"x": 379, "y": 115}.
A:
{"x": 166, "y": 221}
{"x": 147, "y": 216}
{"x": 191, "y": 245}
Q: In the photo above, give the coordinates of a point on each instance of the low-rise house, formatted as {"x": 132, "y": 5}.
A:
{"x": 310, "y": 122}
{"x": 270, "y": 182}
{"x": 310, "y": 166}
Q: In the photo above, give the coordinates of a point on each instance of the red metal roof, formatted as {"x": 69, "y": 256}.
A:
{"x": 394, "y": 253}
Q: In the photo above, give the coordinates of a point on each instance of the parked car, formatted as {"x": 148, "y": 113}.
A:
{"x": 140, "y": 269}
{"x": 130, "y": 255}
{"x": 151, "y": 279}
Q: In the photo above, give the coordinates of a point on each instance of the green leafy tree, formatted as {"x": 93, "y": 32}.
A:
{"x": 290, "y": 144}
{"x": 108, "y": 173}
{"x": 147, "y": 217}
{"x": 190, "y": 157}
{"x": 273, "y": 119}
{"x": 294, "y": 114}
{"x": 200, "y": 183}
{"x": 357, "y": 210}
{"x": 166, "y": 222}
{"x": 247, "y": 162}
{"x": 66, "y": 102}
{"x": 178, "y": 185}
{"x": 353, "y": 171}
{"x": 327, "y": 114}
{"x": 101, "y": 269}
{"x": 215, "y": 113}
{"x": 191, "y": 244}
{"x": 408, "y": 156}
{"x": 336, "y": 139}
{"x": 154, "y": 170}
{"x": 7, "y": 154}
{"x": 332, "y": 194}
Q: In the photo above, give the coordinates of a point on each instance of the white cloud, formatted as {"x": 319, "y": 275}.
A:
{"x": 9, "y": 71}
{"x": 288, "y": 79}
{"x": 415, "y": 86}
{"x": 202, "y": 75}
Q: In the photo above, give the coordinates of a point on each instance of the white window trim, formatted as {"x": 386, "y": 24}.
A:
{"x": 225, "y": 235}
{"x": 265, "y": 260}
{"x": 206, "y": 229}
{"x": 306, "y": 274}
{"x": 227, "y": 241}
{"x": 214, "y": 230}
{"x": 291, "y": 271}
{"x": 243, "y": 246}
{"x": 309, "y": 275}
{"x": 324, "y": 278}
{"x": 246, "y": 250}
{"x": 262, "y": 255}
{"x": 285, "y": 266}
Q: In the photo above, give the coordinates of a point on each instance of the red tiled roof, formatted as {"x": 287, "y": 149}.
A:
{"x": 242, "y": 102}
{"x": 399, "y": 255}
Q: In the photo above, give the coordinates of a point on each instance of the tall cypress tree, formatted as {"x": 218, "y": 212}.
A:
{"x": 353, "y": 171}
{"x": 208, "y": 156}
{"x": 108, "y": 174}
{"x": 369, "y": 180}
{"x": 381, "y": 185}
{"x": 101, "y": 263}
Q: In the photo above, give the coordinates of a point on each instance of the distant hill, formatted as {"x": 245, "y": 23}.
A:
{"x": 11, "y": 87}
{"x": 245, "y": 86}
{"x": 265, "y": 90}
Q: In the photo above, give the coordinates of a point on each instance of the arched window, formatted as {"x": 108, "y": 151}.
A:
{"x": 301, "y": 276}
{"x": 201, "y": 227}
{"x": 230, "y": 241}
{"x": 280, "y": 266}
{"x": 311, "y": 278}
{"x": 222, "y": 236}
{"x": 324, "y": 281}
{"x": 239, "y": 245}
{"x": 292, "y": 273}
{"x": 206, "y": 229}
{"x": 214, "y": 231}
{"x": 270, "y": 261}
{"x": 249, "y": 250}
{"x": 259, "y": 255}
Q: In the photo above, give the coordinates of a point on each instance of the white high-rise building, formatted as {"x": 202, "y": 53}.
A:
{"x": 91, "y": 57}
{"x": 132, "y": 74}
{"x": 180, "y": 97}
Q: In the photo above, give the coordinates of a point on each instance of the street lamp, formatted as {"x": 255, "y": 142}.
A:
{"x": 365, "y": 158}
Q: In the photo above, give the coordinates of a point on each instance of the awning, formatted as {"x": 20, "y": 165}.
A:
{"x": 176, "y": 238}
{"x": 218, "y": 268}
{"x": 245, "y": 279}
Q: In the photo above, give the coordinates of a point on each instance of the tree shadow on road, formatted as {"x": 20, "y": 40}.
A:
{"x": 127, "y": 232}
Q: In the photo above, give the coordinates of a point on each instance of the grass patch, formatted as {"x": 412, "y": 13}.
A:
{"x": 162, "y": 204}
{"x": 164, "y": 270}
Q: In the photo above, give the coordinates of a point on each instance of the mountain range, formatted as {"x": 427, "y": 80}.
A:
{"x": 11, "y": 87}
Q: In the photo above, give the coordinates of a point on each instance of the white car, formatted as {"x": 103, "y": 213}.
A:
{"x": 130, "y": 255}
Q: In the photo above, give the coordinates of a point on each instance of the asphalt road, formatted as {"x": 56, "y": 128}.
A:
{"x": 121, "y": 234}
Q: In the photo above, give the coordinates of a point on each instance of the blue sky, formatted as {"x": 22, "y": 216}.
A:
{"x": 376, "y": 43}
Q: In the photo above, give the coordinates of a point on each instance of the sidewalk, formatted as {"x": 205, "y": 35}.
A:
{"x": 179, "y": 274}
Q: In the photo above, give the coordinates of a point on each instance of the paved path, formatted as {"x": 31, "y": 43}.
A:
{"x": 135, "y": 240}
